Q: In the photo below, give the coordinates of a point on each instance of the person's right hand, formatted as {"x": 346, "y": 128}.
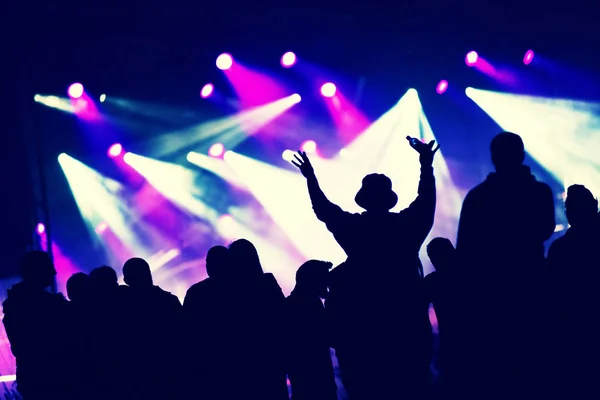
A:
{"x": 303, "y": 163}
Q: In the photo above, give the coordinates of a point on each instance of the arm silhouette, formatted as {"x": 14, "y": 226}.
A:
{"x": 324, "y": 209}
{"x": 422, "y": 209}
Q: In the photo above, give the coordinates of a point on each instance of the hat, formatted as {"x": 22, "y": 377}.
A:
{"x": 376, "y": 193}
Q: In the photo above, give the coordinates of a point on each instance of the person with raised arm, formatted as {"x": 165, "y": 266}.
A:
{"x": 378, "y": 313}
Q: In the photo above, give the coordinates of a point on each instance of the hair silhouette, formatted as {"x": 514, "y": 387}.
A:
{"x": 217, "y": 262}
{"x": 78, "y": 286}
{"x": 508, "y": 151}
{"x": 244, "y": 258}
{"x": 581, "y": 205}
{"x": 136, "y": 273}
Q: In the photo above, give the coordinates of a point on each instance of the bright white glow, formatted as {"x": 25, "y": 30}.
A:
{"x": 8, "y": 378}
{"x": 230, "y": 130}
{"x": 102, "y": 98}
{"x": 309, "y": 146}
{"x": 207, "y": 90}
{"x": 216, "y": 150}
{"x": 217, "y": 166}
{"x": 224, "y": 61}
{"x": 174, "y": 182}
{"x": 59, "y": 103}
{"x": 328, "y": 89}
{"x": 100, "y": 202}
{"x": 560, "y": 134}
{"x": 296, "y": 98}
{"x": 288, "y": 155}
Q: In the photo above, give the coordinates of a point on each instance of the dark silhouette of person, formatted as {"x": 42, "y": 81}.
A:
{"x": 574, "y": 270}
{"x": 443, "y": 289}
{"x": 108, "y": 327}
{"x": 34, "y": 320}
{"x": 151, "y": 343}
{"x": 254, "y": 305}
{"x": 310, "y": 368}
{"x": 78, "y": 351}
{"x": 503, "y": 224}
{"x": 78, "y": 287}
{"x": 380, "y": 322}
{"x": 205, "y": 313}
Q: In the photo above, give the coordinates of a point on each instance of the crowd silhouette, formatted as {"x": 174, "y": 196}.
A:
{"x": 513, "y": 323}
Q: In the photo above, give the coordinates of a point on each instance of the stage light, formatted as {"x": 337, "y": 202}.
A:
{"x": 207, "y": 90}
{"x": 224, "y": 61}
{"x": 216, "y": 150}
{"x": 115, "y": 150}
{"x": 102, "y": 98}
{"x": 328, "y": 89}
{"x": 442, "y": 86}
{"x": 471, "y": 58}
{"x": 101, "y": 228}
{"x": 288, "y": 59}
{"x": 309, "y": 146}
{"x": 62, "y": 157}
{"x": 40, "y": 229}
{"x": 127, "y": 158}
{"x": 288, "y": 155}
{"x": 75, "y": 91}
{"x": 528, "y": 58}
{"x": 296, "y": 98}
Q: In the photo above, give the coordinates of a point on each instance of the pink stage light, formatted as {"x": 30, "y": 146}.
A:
{"x": 328, "y": 89}
{"x": 101, "y": 228}
{"x": 224, "y": 61}
{"x": 442, "y": 86}
{"x": 528, "y": 58}
{"x": 216, "y": 150}
{"x": 115, "y": 150}
{"x": 309, "y": 146}
{"x": 471, "y": 58}
{"x": 40, "y": 229}
{"x": 207, "y": 90}
{"x": 75, "y": 91}
{"x": 288, "y": 59}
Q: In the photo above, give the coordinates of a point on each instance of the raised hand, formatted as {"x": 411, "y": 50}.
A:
{"x": 426, "y": 151}
{"x": 303, "y": 163}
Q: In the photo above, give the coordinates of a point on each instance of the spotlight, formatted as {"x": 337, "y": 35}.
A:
{"x": 309, "y": 146}
{"x": 296, "y": 98}
{"x": 102, "y": 98}
{"x": 288, "y": 59}
{"x": 216, "y": 150}
{"x": 287, "y": 155}
{"x": 127, "y": 158}
{"x": 328, "y": 89}
{"x": 442, "y": 86}
{"x": 101, "y": 228}
{"x": 62, "y": 157}
{"x": 75, "y": 91}
{"x": 207, "y": 90}
{"x": 115, "y": 150}
{"x": 224, "y": 61}
{"x": 471, "y": 58}
{"x": 528, "y": 58}
{"x": 40, "y": 229}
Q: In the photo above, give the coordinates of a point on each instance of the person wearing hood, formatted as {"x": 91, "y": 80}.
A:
{"x": 574, "y": 269}
{"x": 34, "y": 319}
{"x": 152, "y": 334}
{"x": 503, "y": 225}
{"x": 379, "y": 316}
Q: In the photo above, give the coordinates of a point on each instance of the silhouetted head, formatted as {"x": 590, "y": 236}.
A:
{"x": 508, "y": 152}
{"x": 376, "y": 193}
{"x": 313, "y": 278}
{"x": 581, "y": 206}
{"x": 441, "y": 252}
{"x": 136, "y": 273}
{"x": 78, "y": 286}
{"x": 244, "y": 258}
{"x": 217, "y": 262}
{"x": 37, "y": 269}
{"x": 103, "y": 279}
